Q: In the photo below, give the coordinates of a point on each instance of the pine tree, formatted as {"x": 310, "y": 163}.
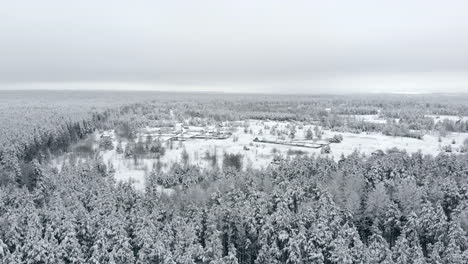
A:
{"x": 213, "y": 250}
{"x": 378, "y": 202}
{"x": 318, "y": 133}
{"x": 4, "y": 251}
{"x": 98, "y": 251}
{"x": 457, "y": 234}
{"x": 392, "y": 224}
{"x": 69, "y": 249}
{"x": 314, "y": 254}
{"x": 268, "y": 254}
{"x": 411, "y": 231}
{"x": 39, "y": 182}
{"x": 295, "y": 247}
{"x": 452, "y": 253}
{"x": 435, "y": 253}
{"x": 378, "y": 250}
{"x": 432, "y": 223}
{"x": 309, "y": 134}
{"x": 231, "y": 257}
{"x": 401, "y": 250}
{"x": 339, "y": 252}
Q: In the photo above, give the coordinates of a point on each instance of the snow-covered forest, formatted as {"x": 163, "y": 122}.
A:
{"x": 62, "y": 200}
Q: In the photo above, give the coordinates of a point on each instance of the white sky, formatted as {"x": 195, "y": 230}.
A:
{"x": 236, "y": 46}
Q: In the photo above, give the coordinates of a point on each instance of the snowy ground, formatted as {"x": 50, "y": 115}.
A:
{"x": 260, "y": 155}
{"x": 376, "y": 119}
{"x": 440, "y": 118}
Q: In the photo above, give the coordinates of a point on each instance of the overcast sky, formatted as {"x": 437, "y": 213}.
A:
{"x": 245, "y": 46}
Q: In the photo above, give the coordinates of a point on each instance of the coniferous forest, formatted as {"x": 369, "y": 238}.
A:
{"x": 390, "y": 206}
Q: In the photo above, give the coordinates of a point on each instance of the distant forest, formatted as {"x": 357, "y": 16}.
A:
{"x": 388, "y": 207}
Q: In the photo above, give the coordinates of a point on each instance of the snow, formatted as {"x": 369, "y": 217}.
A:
{"x": 376, "y": 119}
{"x": 369, "y": 142}
{"x": 260, "y": 155}
{"x": 440, "y": 118}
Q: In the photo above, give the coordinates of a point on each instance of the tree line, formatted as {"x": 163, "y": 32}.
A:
{"x": 391, "y": 207}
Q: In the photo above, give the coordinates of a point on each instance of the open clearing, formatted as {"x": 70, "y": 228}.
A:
{"x": 242, "y": 138}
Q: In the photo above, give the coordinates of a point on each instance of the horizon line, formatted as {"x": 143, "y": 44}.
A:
{"x": 229, "y": 92}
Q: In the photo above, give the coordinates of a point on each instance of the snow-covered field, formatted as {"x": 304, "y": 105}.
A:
{"x": 370, "y": 142}
{"x": 440, "y": 118}
{"x": 376, "y": 119}
{"x": 258, "y": 155}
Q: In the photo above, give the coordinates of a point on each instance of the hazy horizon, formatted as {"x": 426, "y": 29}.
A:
{"x": 303, "y": 47}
